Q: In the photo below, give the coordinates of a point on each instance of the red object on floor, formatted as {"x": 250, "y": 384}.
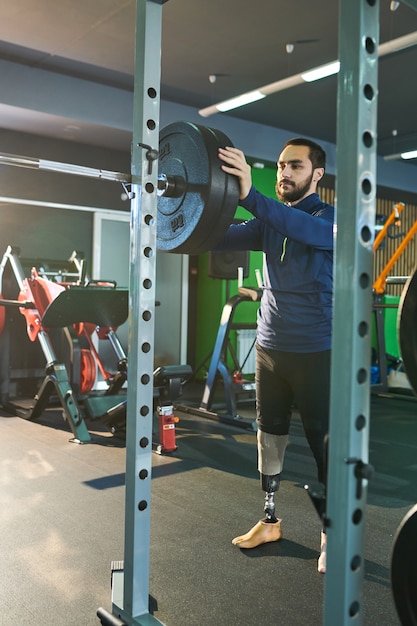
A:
{"x": 166, "y": 423}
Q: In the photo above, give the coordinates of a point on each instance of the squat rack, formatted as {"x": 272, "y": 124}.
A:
{"x": 349, "y": 469}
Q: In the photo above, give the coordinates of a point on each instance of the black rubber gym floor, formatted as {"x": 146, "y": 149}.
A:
{"x": 62, "y": 513}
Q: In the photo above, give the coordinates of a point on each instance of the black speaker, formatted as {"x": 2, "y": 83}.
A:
{"x": 224, "y": 264}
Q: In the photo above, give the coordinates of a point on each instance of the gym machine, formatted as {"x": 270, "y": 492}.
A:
{"x": 236, "y": 389}
{"x": 59, "y": 316}
{"x": 66, "y": 319}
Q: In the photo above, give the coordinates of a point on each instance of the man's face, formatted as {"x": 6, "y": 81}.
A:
{"x": 295, "y": 175}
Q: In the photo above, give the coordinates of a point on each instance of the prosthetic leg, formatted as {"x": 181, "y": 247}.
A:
{"x": 271, "y": 452}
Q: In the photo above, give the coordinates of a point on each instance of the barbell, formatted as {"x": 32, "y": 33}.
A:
{"x": 196, "y": 198}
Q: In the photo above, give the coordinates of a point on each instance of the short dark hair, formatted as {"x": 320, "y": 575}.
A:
{"x": 316, "y": 155}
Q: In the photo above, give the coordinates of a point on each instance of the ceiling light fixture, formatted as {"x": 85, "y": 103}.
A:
{"x": 387, "y": 48}
{"x": 412, "y": 154}
{"x": 240, "y": 101}
{"x": 321, "y": 72}
{"x": 394, "y": 4}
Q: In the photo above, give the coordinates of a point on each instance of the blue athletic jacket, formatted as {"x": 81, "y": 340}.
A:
{"x": 295, "y": 313}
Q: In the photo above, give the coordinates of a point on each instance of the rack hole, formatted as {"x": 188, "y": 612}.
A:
{"x": 364, "y": 280}
{"x": 354, "y": 609}
{"x": 363, "y": 329}
{"x": 367, "y": 139}
{"x": 370, "y": 45}
{"x": 366, "y": 186}
{"x": 368, "y": 92}
{"x": 360, "y": 422}
{"x": 366, "y": 234}
{"x": 361, "y": 376}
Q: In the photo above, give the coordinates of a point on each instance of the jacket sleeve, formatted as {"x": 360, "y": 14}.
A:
{"x": 243, "y": 236}
{"x": 298, "y": 225}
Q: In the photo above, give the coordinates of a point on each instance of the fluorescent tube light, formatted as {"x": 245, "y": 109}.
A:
{"x": 384, "y": 49}
{"x": 321, "y": 72}
{"x": 280, "y": 85}
{"x": 412, "y": 154}
{"x": 240, "y": 101}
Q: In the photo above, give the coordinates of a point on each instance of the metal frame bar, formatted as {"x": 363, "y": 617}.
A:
{"x": 131, "y": 586}
{"x": 350, "y": 387}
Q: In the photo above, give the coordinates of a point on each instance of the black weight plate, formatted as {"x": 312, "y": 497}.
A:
{"x": 197, "y": 218}
{"x": 404, "y": 569}
{"x": 222, "y": 202}
{"x": 407, "y": 329}
{"x": 229, "y": 185}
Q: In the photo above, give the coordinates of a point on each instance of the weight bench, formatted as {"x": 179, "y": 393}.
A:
{"x": 168, "y": 383}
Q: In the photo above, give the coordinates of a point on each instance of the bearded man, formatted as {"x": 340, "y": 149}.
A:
{"x": 294, "y": 322}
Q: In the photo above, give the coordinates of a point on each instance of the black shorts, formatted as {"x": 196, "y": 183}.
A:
{"x": 288, "y": 380}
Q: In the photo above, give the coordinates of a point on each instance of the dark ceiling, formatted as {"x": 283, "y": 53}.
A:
{"x": 241, "y": 42}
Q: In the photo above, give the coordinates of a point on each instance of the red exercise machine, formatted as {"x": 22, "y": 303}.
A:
{"x": 67, "y": 318}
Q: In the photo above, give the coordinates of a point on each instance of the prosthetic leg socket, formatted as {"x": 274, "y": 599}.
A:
{"x": 271, "y": 453}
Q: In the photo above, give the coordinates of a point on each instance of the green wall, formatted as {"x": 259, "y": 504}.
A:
{"x": 212, "y": 292}
{"x": 390, "y": 327}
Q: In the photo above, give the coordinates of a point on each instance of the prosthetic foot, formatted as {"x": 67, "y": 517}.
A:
{"x": 321, "y": 563}
{"x": 262, "y": 532}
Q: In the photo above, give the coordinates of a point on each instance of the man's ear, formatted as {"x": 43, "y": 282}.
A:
{"x": 318, "y": 174}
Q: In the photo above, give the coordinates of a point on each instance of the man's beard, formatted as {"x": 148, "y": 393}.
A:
{"x": 296, "y": 192}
